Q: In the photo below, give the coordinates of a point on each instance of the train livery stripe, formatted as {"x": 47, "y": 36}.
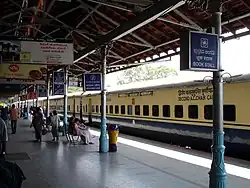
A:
{"x": 175, "y": 121}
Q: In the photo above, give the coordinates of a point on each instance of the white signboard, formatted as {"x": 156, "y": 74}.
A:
{"x": 36, "y": 52}
{"x": 47, "y": 52}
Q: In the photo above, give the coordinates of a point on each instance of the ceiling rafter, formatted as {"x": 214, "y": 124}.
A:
{"x": 131, "y": 43}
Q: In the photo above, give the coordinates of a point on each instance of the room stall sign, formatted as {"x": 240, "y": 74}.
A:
{"x": 199, "y": 51}
{"x": 58, "y": 83}
{"x": 36, "y": 51}
{"x": 92, "y": 82}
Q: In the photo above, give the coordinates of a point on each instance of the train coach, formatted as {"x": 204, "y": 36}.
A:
{"x": 182, "y": 109}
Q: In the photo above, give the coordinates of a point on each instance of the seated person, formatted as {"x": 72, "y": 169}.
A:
{"x": 82, "y": 131}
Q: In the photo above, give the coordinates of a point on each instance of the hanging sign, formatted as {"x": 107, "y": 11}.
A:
{"x": 38, "y": 51}
{"x": 58, "y": 83}
{"x": 42, "y": 90}
{"x": 31, "y": 95}
{"x": 92, "y": 82}
{"x": 199, "y": 51}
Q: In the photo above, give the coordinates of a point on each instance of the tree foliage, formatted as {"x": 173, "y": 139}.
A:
{"x": 74, "y": 89}
{"x": 146, "y": 72}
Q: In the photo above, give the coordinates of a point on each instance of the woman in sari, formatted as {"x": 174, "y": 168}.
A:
{"x": 37, "y": 123}
{"x": 83, "y": 131}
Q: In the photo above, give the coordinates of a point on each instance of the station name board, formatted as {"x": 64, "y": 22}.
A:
{"x": 136, "y": 94}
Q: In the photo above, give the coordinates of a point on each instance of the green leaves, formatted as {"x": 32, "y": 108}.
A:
{"x": 145, "y": 72}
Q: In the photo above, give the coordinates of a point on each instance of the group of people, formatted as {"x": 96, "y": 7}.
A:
{"x": 7, "y": 114}
{"x": 76, "y": 127}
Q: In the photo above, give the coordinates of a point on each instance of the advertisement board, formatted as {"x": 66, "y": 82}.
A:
{"x": 23, "y": 72}
{"x": 37, "y": 51}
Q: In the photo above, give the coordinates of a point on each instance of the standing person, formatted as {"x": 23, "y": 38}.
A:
{"x": 37, "y": 123}
{"x": 55, "y": 122}
{"x": 4, "y": 115}
{"x": 3, "y": 137}
{"x": 13, "y": 118}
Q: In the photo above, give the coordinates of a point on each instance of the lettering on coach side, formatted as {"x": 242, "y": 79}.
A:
{"x": 197, "y": 94}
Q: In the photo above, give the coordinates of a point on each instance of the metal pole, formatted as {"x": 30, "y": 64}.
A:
{"x": 74, "y": 107}
{"x": 81, "y": 106}
{"x": 65, "y": 100}
{"x": 48, "y": 89}
{"x": 217, "y": 173}
{"x": 19, "y": 105}
{"x": 103, "y": 147}
{"x": 37, "y": 91}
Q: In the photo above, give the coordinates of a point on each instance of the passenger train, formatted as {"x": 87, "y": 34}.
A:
{"x": 180, "y": 109}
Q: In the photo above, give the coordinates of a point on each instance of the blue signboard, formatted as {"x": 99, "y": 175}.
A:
{"x": 199, "y": 51}
{"x": 58, "y": 83}
{"x": 92, "y": 82}
{"x": 204, "y": 51}
{"x": 42, "y": 90}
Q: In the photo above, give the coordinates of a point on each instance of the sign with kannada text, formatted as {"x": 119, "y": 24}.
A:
{"x": 58, "y": 83}
{"x": 36, "y": 51}
{"x": 92, "y": 82}
{"x": 199, "y": 51}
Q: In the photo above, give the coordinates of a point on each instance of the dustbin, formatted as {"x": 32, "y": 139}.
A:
{"x": 113, "y": 131}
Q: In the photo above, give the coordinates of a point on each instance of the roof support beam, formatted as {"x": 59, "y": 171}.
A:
{"x": 236, "y": 18}
{"x": 50, "y": 33}
{"x": 68, "y": 11}
{"x": 142, "y": 19}
{"x": 113, "y": 5}
{"x": 181, "y": 24}
{"x": 184, "y": 17}
{"x": 144, "y": 51}
{"x": 78, "y": 67}
{"x": 83, "y": 20}
{"x": 24, "y": 4}
{"x": 115, "y": 23}
{"x": 133, "y": 43}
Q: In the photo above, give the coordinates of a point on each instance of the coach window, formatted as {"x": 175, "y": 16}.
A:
{"x": 93, "y": 108}
{"x": 116, "y": 109}
{"x": 145, "y": 110}
{"x": 229, "y": 113}
{"x": 111, "y": 109}
{"x": 178, "y": 111}
{"x": 208, "y": 112}
{"x": 137, "y": 110}
{"x": 107, "y": 109}
{"x": 68, "y": 107}
{"x": 129, "y": 110}
{"x": 123, "y": 109}
{"x": 155, "y": 110}
{"x": 193, "y": 111}
{"x": 166, "y": 110}
{"x": 97, "y": 108}
{"x": 83, "y": 109}
{"x": 77, "y": 108}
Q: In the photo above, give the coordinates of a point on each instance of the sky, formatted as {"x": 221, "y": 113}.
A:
{"x": 234, "y": 56}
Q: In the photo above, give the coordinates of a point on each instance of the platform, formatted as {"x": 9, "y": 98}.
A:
{"x": 60, "y": 165}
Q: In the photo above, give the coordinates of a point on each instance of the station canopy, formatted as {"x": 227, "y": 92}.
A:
{"x": 140, "y": 30}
